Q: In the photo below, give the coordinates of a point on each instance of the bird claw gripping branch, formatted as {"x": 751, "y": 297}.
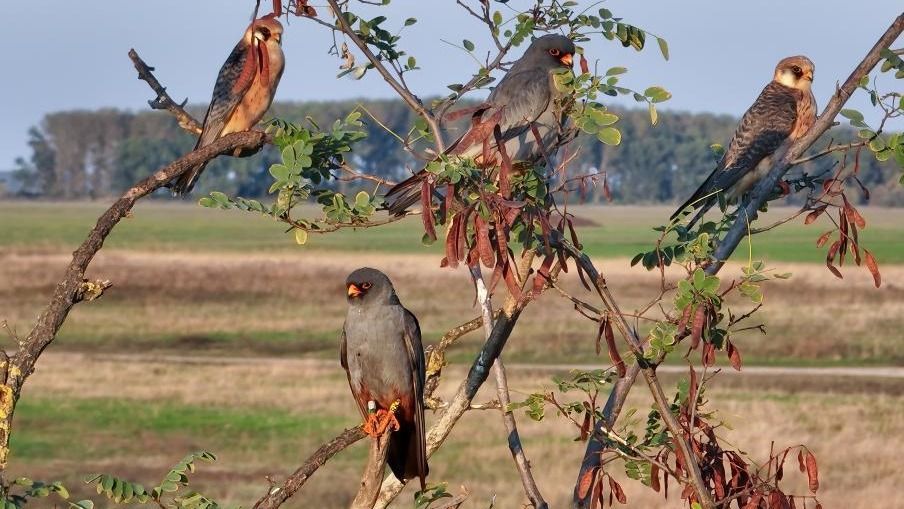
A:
{"x": 378, "y": 421}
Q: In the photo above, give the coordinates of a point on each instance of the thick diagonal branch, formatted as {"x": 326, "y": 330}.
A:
{"x": 785, "y": 158}
{"x": 67, "y": 290}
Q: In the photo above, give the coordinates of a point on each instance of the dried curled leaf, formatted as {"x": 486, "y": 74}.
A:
{"x": 709, "y": 354}
{"x": 585, "y": 483}
{"x": 697, "y": 327}
{"x": 685, "y": 317}
{"x": 830, "y": 259}
{"x": 617, "y": 491}
{"x": 734, "y": 356}
{"x": 778, "y": 500}
{"x": 873, "y": 267}
{"x": 812, "y": 472}
{"x": 585, "y": 427}
{"x": 427, "y": 212}
{"x": 484, "y": 247}
{"x": 813, "y": 216}
{"x": 613, "y": 350}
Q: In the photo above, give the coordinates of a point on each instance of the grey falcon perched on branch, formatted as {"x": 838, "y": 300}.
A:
{"x": 243, "y": 92}
{"x": 784, "y": 110}
{"x": 381, "y": 351}
{"x": 521, "y": 114}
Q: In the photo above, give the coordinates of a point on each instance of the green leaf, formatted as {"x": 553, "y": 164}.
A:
{"x": 468, "y": 45}
{"x": 877, "y": 144}
{"x": 654, "y": 116}
{"x": 615, "y": 71}
{"x": 663, "y": 48}
{"x": 497, "y": 18}
{"x": 609, "y": 136}
{"x": 410, "y": 21}
{"x": 362, "y": 198}
{"x": 699, "y": 277}
{"x": 603, "y": 118}
{"x": 412, "y": 63}
{"x": 657, "y": 94}
{"x": 853, "y": 115}
{"x": 61, "y": 490}
{"x": 280, "y": 172}
{"x": 301, "y": 236}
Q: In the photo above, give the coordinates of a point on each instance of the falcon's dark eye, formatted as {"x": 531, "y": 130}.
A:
{"x": 554, "y": 52}
{"x": 797, "y": 71}
{"x": 264, "y": 31}
{"x": 366, "y": 286}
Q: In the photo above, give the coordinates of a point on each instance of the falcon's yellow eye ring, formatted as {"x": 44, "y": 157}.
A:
{"x": 366, "y": 286}
{"x": 554, "y": 52}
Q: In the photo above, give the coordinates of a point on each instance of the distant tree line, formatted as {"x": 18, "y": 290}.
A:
{"x": 91, "y": 154}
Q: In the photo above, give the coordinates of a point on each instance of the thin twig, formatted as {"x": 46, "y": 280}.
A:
{"x": 412, "y": 100}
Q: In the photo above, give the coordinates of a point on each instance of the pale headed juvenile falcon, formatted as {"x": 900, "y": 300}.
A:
{"x": 785, "y": 109}
{"x": 243, "y": 91}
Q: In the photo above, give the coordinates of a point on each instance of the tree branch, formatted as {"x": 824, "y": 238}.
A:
{"x": 502, "y": 393}
{"x": 163, "y": 100}
{"x": 276, "y": 496}
{"x": 373, "y": 472}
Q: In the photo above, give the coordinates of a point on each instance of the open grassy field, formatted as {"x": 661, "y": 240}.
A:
{"x": 136, "y": 415}
{"x": 220, "y": 333}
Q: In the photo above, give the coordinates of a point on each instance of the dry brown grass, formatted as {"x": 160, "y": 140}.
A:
{"x": 259, "y": 303}
{"x": 856, "y": 437}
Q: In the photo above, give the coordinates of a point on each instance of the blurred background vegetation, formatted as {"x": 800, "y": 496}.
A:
{"x": 92, "y": 154}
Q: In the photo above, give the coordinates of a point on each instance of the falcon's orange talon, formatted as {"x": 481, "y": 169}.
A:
{"x": 378, "y": 422}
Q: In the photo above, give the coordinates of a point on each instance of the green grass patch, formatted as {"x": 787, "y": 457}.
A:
{"x": 610, "y": 232}
{"x": 46, "y": 428}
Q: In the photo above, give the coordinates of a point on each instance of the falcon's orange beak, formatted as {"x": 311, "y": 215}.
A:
{"x": 567, "y": 59}
{"x": 354, "y": 291}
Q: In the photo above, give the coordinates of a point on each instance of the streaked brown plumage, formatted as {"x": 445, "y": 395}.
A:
{"x": 243, "y": 91}
{"x": 785, "y": 109}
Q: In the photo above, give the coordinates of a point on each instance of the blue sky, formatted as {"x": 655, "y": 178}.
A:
{"x": 72, "y": 55}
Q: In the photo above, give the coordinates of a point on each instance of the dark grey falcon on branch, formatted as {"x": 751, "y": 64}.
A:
{"x": 381, "y": 351}
{"x": 522, "y": 113}
{"x": 785, "y": 109}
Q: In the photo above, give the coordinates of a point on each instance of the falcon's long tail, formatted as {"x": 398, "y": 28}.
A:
{"x": 405, "y": 194}
{"x": 184, "y": 183}
{"x": 402, "y": 456}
